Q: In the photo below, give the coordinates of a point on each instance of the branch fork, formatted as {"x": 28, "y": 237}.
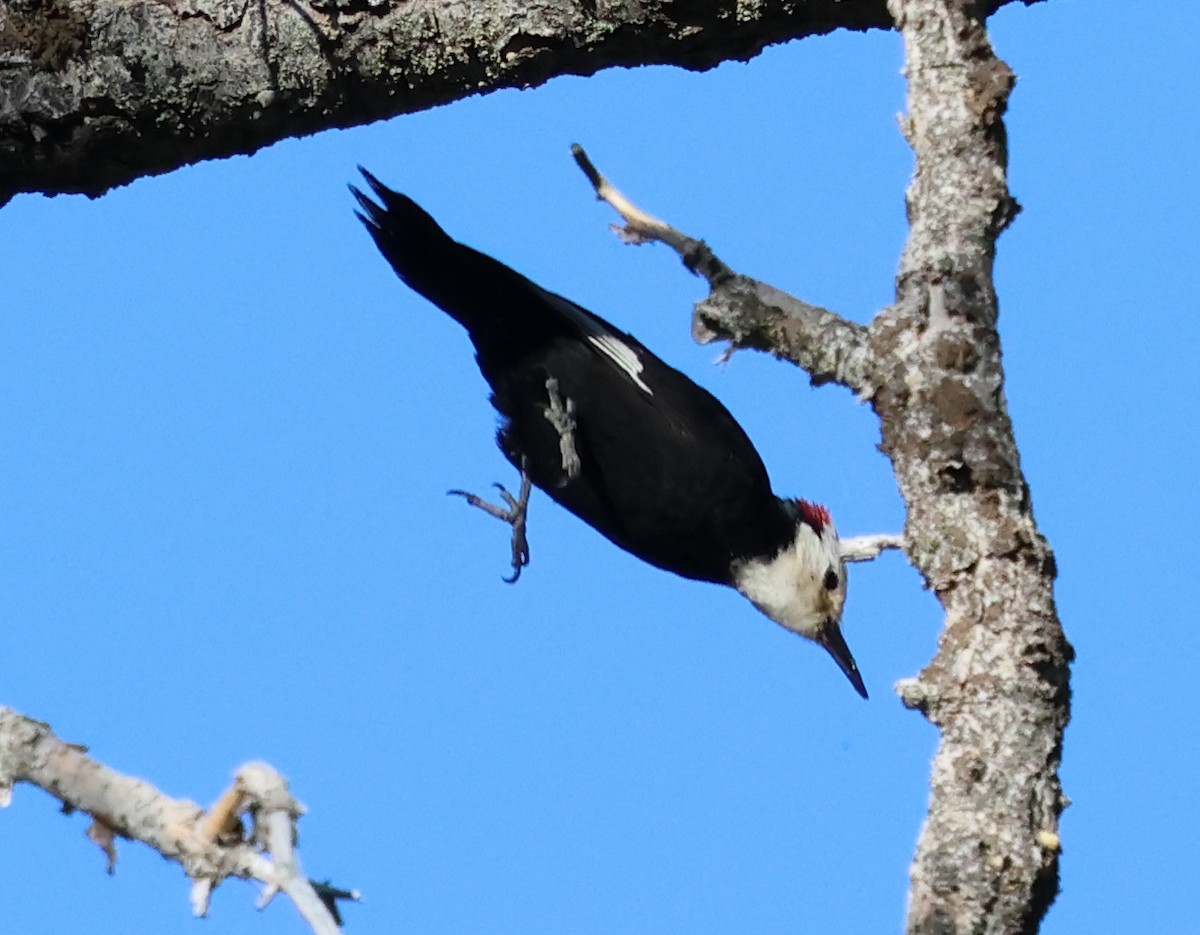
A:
{"x": 210, "y": 846}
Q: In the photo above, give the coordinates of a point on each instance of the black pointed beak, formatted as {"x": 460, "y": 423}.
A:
{"x": 833, "y": 641}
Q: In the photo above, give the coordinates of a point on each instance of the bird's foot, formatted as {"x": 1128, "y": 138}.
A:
{"x": 561, "y": 414}
{"x": 514, "y": 513}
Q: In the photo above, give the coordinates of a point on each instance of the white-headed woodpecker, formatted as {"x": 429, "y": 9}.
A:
{"x": 628, "y": 444}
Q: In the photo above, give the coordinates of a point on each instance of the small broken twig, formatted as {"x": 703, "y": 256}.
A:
{"x": 330, "y": 895}
{"x": 641, "y": 227}
{"x": 866, "y": 548}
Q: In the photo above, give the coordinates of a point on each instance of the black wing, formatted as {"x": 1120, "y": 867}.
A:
{"x": 668, "y": 474}
{"x": 664, "y": 470}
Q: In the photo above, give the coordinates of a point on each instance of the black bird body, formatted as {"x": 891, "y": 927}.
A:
{"x": 659, "y": 465}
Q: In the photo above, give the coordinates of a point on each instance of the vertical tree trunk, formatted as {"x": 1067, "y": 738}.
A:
{"x": 997, "y": 689}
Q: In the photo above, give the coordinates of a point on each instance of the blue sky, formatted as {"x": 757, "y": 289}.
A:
{"x": 226, "y": 433}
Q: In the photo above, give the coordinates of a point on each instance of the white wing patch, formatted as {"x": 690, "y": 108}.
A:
{"x": 603, "y": 340}
{"x": 620, "y": 354}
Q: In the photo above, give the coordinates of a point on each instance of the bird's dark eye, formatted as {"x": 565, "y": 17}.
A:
{"x": 831, "y": 580}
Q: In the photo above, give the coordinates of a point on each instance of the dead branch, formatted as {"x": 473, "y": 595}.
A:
{"x": 96, "y": 93}
{"x": 743, "y": 311}
{"x": 866, "y": 548}
{"x": 210, "y": 846}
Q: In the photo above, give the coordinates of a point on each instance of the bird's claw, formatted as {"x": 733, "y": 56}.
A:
{"x": 514, "y": 513}
{"x": 513, "y": 503}
{"x": 520, "y": 552}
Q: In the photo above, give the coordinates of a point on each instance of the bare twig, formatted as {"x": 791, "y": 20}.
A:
{"x": 641, "y": 227}
{"x": 330, "y": 895}
{"x": 866, "y": 548}
{"x": 744, "y": 311}
{"x": 208, "y": 845}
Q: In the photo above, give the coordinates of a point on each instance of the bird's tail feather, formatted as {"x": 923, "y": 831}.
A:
{"x": 421, "y": 253}
{"x": 465, "y": 284}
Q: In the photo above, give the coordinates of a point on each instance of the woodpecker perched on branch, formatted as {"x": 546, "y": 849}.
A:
{"x": 628, "y": 444}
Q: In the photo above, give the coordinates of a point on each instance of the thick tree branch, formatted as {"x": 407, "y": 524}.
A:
{"x": 998, "y": 687}
{"x": 95, "y": 93}
{"x": 209, "y": 846}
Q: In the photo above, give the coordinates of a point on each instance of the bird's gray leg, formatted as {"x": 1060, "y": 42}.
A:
{"x": 514, "y": 513}
{"x": 561, "y": 415}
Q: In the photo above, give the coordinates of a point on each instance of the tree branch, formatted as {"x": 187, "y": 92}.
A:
{"x": 998, "y": 688}
{"x": 209, "y": 846}
{"x": 867, "y": 548}
{"x": 741, "y": 310}
{"x": 95, "y": 93}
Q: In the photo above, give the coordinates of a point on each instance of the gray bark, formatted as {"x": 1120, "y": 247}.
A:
{"x": 998, "y": 687}
{"x": 96, "y": 93}
{"x": 93, "y": 95}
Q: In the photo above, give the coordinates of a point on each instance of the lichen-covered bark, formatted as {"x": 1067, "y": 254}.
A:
{"x": 752, "y": 314}
{"x": 95, "y": 93}
{"x": 987, "y": 860}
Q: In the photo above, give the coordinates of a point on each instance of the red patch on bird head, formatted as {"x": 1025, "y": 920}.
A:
{"x": 814, "y": 514}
